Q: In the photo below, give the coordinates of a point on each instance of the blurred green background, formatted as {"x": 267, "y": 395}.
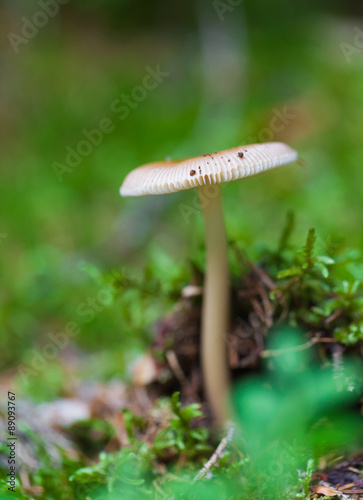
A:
{"x": 229, "y": 69}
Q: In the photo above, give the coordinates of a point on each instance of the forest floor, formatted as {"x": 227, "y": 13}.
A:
{"x": 295, "y": 356}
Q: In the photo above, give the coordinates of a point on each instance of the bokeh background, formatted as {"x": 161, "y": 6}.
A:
{"x": 229, "y": 69}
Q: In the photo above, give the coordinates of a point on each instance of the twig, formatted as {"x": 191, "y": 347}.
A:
{"x": 175, "y": 367}
{"x": 219, "y": 452}
{"x": 278, "y": 352}
{"x": 158, "y": 489}
{"x": 322, "y": 340}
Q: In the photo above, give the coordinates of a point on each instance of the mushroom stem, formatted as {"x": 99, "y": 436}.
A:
{"x": 216, "y": 305}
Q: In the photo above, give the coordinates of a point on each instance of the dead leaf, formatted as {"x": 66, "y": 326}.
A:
{"x": 346, "y": 487}
{"x": 325, "y": 490}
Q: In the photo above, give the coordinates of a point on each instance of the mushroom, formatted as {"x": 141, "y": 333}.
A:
{"x": 206, "y": 172}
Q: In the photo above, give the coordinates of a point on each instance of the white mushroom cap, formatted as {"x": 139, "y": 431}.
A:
{"x": 223, "y": 166}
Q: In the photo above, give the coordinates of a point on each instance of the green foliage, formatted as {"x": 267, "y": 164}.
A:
{"x": 132, "y": 470}
{"x": 295, "y": 412}
{"x": 52, "y": 476}
{"x": 134, "y": 292}
{"x": 5, "y": 494}
{"x": 45, "y": 385}
{"x": 320, "y": 288}
{"x": 53, "y": 226}
{"x": 306, "y": 480}
{"x": 286, "y": 234}
{"x": 350, "y": 334}
{"x": 306, "y": 262}
{"x": 91, "y": 436}
{"x": 123, "y": 472}
{"x": 292, "y": 413}
{"x": 179, "y": 434}
{"x": 162, "y": 277}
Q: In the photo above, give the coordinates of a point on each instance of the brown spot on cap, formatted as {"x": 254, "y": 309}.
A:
{"x": 240, "y": 154}
{"x": 168, "y": 177}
